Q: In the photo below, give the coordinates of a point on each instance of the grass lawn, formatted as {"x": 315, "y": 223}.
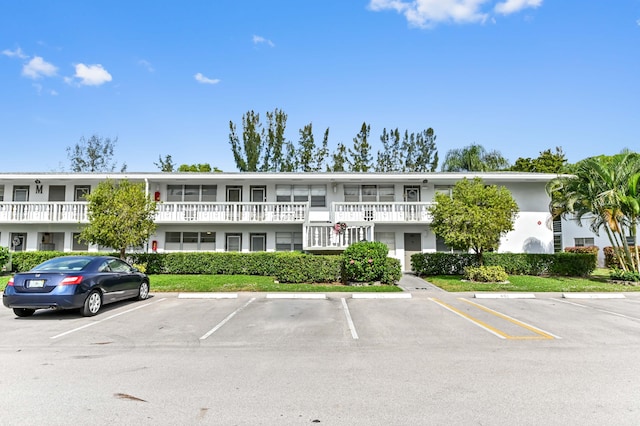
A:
{"x": 595, "y": 283}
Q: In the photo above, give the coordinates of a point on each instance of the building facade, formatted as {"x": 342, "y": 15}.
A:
{"x": 274, "y": 211}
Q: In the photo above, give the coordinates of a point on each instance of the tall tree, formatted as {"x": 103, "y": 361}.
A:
{"x": 93, "y": 155}
{"x": 546, "y": 162}
{"x": 474, "y": 217}
{"x": 603, "y": 192}
{"x": 339, "y": 159}
{"x": 306, "y": 149}
{"x": 360, "y": 158}
{"x": 275, "y": 142}
{"x": 322, "y": 152}
{"x": 390, "y": 156}
{"x": 198, "y": 168}
{"x": 247, "y": 154}
{"x": 120, "y": 215}
{"x": 166, "y": 164}
{"x": 473, "y": 158}
{"x": 425, "y": 153}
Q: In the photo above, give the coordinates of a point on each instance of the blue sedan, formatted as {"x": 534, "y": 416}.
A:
{"x": 72, "y": 282}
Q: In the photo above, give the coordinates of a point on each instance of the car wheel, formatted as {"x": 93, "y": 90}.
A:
{"x": 23, "y": 312}
{"x": 143, "y": 291}
{"x": 92, "y": 304}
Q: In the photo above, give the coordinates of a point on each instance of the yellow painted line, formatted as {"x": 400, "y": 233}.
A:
{"x": 476, "y": 321}
{"x": 536, "y": 330}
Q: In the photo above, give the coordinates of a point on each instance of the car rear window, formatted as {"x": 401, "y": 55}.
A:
{"x": 63, "y": 265}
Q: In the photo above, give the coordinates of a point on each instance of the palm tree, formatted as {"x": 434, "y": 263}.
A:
{"x": 602, "y": 191}
{"x": 473, "y": 158}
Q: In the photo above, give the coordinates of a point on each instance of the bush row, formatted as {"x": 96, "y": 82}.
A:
{"x": 610, "y": 260}
{"x": 289, "y": 267}
{"x": 569, "y": 264}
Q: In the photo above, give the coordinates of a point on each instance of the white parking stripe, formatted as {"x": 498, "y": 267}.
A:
{"x": 106, "y": 319}
{"x": 597, "y": 309}
{"x": 352, "y": 327}
{"x": 224, "y": 321}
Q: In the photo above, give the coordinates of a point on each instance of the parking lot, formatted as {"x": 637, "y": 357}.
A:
{"x": 427, "y": 357}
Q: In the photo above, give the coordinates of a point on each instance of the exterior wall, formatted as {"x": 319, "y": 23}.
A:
{"x": 52, "y": 224}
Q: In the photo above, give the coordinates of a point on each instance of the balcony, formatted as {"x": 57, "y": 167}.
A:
{"x": 321, "y": 237}
{"x": 382, "y": 212}
{"x": 232, "y": 212}
{"x": 31, "y": 212}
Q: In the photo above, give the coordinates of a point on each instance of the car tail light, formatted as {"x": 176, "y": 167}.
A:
{"x": 10, "y": 282}
{"x": 72, "y": 280}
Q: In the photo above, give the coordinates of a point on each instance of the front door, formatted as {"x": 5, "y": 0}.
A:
{"x": 234, "y": 208}
{"x": 412, "y": 245}
{"x": 258, "y": 195}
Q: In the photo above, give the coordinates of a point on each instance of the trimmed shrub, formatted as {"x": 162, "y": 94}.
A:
{"x": 485, "y": 274}
{"x": 610, "y": 260}
{"x": 365, "y": 261}
{"x": 588, "y": 249}
{"x": 424, "y": 264}
{"x": 5, "y": 255}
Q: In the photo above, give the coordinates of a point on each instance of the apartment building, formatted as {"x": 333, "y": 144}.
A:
{"x": 274, "y": 211}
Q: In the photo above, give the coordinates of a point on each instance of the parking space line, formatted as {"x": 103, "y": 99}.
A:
{"x": 512, "y": 320}
{"x": 224, "y": 321}
{"x": 106, "y": 319}
{"x": 352, "y": 326}
{"x": 597, "y": 309}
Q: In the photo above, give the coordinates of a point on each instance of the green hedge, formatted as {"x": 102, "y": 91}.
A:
{"x": 569, "y": 264}
{"x": 610, "y": 260}
{"x": 285, "y": 267}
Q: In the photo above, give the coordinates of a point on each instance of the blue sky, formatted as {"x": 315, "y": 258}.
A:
{"x": 166, "y": 77}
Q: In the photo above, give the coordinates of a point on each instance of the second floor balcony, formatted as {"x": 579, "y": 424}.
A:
{"x": 382, "y": 212}
{"x": 223, "y": 212}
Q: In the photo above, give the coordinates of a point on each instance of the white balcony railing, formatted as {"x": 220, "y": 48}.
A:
{"x": 391, "y": 212}
{"x": 72, "y": 212}
{"x": 232, "y": 212}
{"x": 324, "y": 236}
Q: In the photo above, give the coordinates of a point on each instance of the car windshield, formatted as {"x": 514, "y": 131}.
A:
{"x": 63, "y": 264}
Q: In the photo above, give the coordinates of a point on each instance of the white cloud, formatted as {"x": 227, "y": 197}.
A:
{"x": 205, "y": 80}
{"x": 146, "y": 64}
{"x": 18, "y": 53}
{"x": 91, "y": 75}
{"x": 428, "y": 13}
{"x": 37, "y": 68}
{"x": 259, "y": 39}
{"x": 512, "y": 6}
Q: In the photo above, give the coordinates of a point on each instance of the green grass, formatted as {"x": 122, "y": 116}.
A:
{"x": 222, "y": 283}
{"x": 595, "y": 283}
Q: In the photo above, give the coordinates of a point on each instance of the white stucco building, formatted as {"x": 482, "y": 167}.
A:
{"x": 275, "y": 211}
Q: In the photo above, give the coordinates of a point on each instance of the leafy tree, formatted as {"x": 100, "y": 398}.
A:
{"x": 166, "y": 164}
{"x": 360, "y": 159}
{"x": 339, "y": 159}
{"x": 247, "y": 154}
{"x": 273, "y": 160}
{"x": 474, "y": 217}
{"x": 311, "y": 158}
{"x": 120, "y": 215}
{"x": 547, "y": 162}
{"x": 322, "y": 152}
{"x": 473, "y": 158}
{"x": 421, "y": 153}
{"x": 604, "y": 192}
{"x": 93, "y": 155}
{"x": 389, "y": 157}
{"x": 198, "y": 168}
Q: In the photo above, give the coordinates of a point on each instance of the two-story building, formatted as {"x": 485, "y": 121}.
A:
{"x": 272, "y": 211}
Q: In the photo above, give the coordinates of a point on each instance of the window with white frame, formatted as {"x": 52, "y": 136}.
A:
{"x": 193, "y": 193}
{"x": 288, "y": 241}
{"x": 77, "y": 244}
{"x": 1, "y": 192}
{"x": 443, "y": 189}
{"x": 584, "y": 242}
{"x": 80, "y": 192}
{"x": 190, "y": 241}
{"x": 20, "y": 193}
{"x": 388, "y": 239}
{"x": 316, "y": 195}
{"x": 369, "y": 193}
{"x": 258, "y": 242}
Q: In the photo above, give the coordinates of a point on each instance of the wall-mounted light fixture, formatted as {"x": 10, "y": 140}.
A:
{"x": 335, "y": 187}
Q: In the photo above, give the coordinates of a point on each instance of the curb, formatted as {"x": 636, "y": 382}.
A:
{"x": 207, "y": 295}
{"x": 593, "y": 296}
{"x": 504, "y": 296}
{"x": 296, "y": 296}
{"x": 381, "y": 296}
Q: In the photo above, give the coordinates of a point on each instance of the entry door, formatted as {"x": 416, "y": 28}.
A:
{"x": 412, "y": 245}
{"x": 234, "y": 197}
{"x": 258, "y": 195}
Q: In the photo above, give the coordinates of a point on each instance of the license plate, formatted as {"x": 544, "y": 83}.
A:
{"x": 36, "y": 283}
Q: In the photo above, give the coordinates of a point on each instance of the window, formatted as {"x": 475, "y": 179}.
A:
{"x": 1, "y": 192}
{"x": 80, "y": 192}
{"x": 18, "y": 241}
{"x": 411, "y": 194}
{"x": 289, "y": 241}
{"x": 194, "y": 193}
{"x": 76, "y": 244}
{"x": 583, "y": 242}
{"x": 316, "y": 195}
{"x": 20, "y": 193}
{"x": 557, "y": 235}
{"x": 56, "y": 192}
{"x": 234, "y": 242}
{"x": 443, "y": 189}
{"x": 389, "y": 239}
{"x": 258, "y": 242}
{"x": 190, "y": 241}
{"x": 369, "y": 193}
